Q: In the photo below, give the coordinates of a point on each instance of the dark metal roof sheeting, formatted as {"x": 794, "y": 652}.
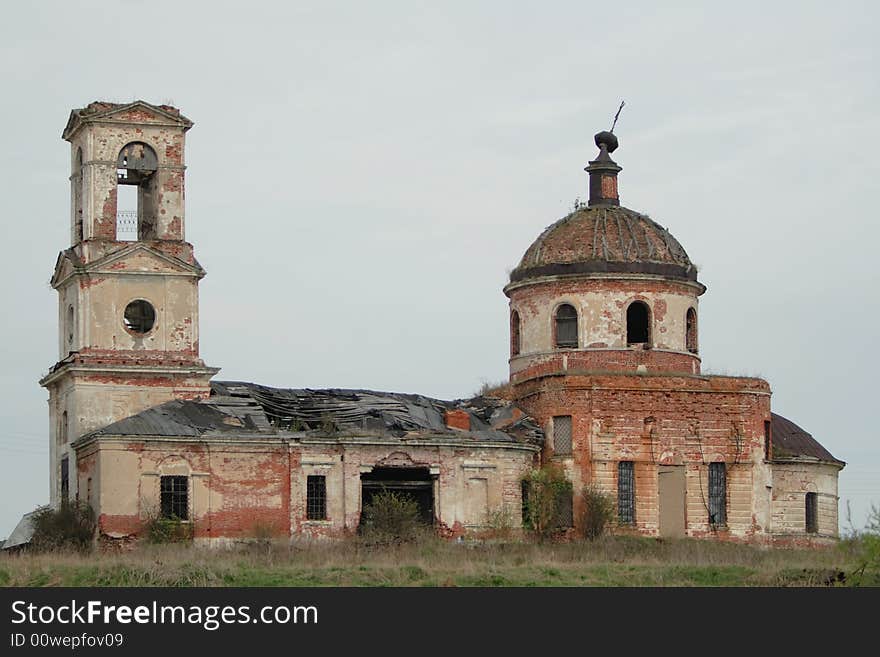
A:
{"x": 249, "y": 409}
{"x": 790, "y": 441}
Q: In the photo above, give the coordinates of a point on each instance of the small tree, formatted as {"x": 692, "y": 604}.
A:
{"x": 547, "y": 491}
{"x": 598, "y": 511}
{"x": 69, "y": 527}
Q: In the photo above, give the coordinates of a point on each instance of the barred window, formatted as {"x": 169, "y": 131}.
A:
{"x": 626, "y": 493}
{"x": 811, "y": 513}
{"x": 65, "y": 479}
{"x": 175, "y": 497}
{"x": 316, "y": 497}
{"x": 562, "y": 434}
{"x": 566, "y": 326}
{"x": 718, "y": 493}
{"x": 565, "y": 515}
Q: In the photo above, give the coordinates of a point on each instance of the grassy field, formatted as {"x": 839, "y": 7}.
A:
{"x": 610, "y": 561}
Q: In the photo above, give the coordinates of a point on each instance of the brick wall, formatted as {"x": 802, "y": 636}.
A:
{"x": 664, "y": 420}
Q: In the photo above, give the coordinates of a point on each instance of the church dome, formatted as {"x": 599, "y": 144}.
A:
{"x": 605, "y": 239}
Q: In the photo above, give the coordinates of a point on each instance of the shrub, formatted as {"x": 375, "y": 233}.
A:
{"x": 867, "y": 544}
{"x": 69, "y": 527}
{"x": 548, "y": 492}
{"x": 168, "y": 530}
{"x": 391, "y": 517}
{"x": 598, "y": 512}
{"x": 500, "y": 523}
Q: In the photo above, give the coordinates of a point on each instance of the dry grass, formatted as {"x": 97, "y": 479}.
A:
{"x": 610, "y": 561}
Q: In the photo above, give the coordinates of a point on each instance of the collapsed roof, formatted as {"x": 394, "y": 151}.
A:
{"x": 248, "y": 409}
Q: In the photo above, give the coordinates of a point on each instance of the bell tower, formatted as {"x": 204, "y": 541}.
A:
{"x": 127, "y": 286}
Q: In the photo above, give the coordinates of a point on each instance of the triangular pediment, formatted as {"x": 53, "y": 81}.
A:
{"x": 139, "y": 112}
{"x": 66, "y": 264}
{"x": 141, "y": 258}
{"x": 138, "y": 258}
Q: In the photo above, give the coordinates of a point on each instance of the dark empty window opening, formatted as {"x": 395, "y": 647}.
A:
{"x": 139, "y": 316}
{"x": 69, "y": 328}
{"x": 415, "y": 483}
{"x": 316, "y": 497}
{"x": 78, "y": 193}
{"x": 514, "y": 333}
{"x": 175, "y": 497}
{"x": 135, "y": 166}
{"x": 638, "y": 322}
{"x": 562, "y": 434}
{"x": 768, "y": 436}
{"x": 691, "y": 330}
{"x": 65, "y": 479}
{"x": 626, "y": 493}
{"x": 524, "y": 489}
{"x": 718, "y": 494}
{"x": 566, "y": 327}
{"x": 811, "y": 513}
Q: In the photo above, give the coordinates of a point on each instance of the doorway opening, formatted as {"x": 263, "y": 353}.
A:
{"x": 415, "y": 483}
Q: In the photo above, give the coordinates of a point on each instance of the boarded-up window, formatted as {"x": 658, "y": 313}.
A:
{"x": 63, "y": 429}
{"x": 566, "y": 326}
{"x": 514, "y": 333}
{"x": 811, "y": 511}
{"x": 718, "y": 493}
{"x": 562, "y": 434}
{"x": 477, "y": 501}
{"x": 65, "y": 479}
{"x": 316, "y": 497}
{"x": 174, "y": 497}
{"x": 626, "y": 493}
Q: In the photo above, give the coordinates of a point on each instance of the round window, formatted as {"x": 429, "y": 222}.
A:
{"x": 139, "y": 316}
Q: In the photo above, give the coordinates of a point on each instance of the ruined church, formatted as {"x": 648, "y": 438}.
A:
{"x": 605, "y": 381}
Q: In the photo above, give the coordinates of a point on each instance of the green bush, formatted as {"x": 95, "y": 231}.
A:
{"x": 69, "y": 527}
{"x": 168, "y": 530}
{"x": 598, "y": 512}
{"x": 867, "y": 546}
{"x": 548, "y": 494}
{"x": 391, "y": 517}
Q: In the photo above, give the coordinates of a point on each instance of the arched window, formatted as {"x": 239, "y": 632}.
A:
{"x": 691, "y": 330}
{"x": 514, "y": 333}
{"x": 63, "y": 429}
{"x": 566, "y": 326}
{"x": 811, "y": 513}
{"x": 78, "y": 193}
{"x": 70, "y": 328}
{"x": 135, "y": 214}
{"x": 638, "y": 323}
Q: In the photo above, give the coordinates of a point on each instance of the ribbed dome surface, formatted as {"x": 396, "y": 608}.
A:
{"x": 605, "y": 239}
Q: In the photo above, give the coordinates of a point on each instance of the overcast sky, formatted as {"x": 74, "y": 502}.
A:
{"x": 363, "y": 176}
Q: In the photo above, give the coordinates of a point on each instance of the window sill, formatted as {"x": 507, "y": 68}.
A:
{"x": 317, "y": 523}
